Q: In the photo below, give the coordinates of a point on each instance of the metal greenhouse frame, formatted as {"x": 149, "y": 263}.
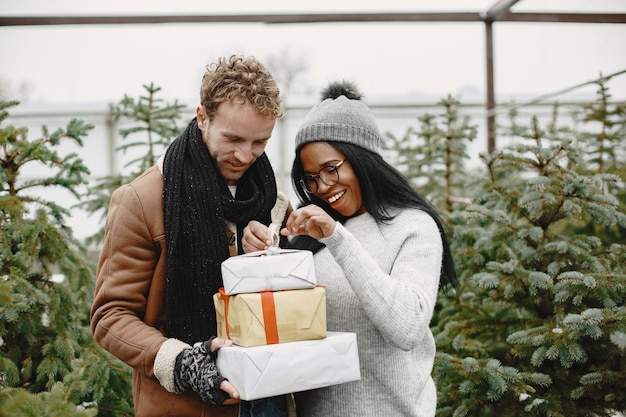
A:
{"x": 500, "y": 11}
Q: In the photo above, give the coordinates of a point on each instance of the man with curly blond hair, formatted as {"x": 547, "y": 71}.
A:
{"x": 167, "y": 233}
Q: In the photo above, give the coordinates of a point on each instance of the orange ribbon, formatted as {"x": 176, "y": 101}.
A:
{"x": 225, "y": 298}
{"x": 269, "y": 315}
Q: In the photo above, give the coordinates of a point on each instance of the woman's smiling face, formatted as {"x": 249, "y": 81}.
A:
{"x": 344, "y": 196}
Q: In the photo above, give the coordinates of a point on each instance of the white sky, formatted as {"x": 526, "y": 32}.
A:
{"x": 101, "y": 63}
{"x": 96, "y": 65}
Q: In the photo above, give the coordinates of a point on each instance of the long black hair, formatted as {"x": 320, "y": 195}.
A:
{"x": 383, "y": 188}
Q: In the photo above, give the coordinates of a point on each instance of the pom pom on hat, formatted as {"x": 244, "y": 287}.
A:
{"x": 340, "y": 117}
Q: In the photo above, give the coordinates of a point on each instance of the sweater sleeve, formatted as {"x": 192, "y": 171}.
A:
{"x": 400, "y": 302}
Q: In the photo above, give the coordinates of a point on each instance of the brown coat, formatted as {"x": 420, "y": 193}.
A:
{"x": 128, "y": 311}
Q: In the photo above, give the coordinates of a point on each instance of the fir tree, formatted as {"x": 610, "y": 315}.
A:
{"x": 537, "y": 327}
{"x": 433, "y": 157}
{"x": 605, "y": 124}
{"x": 601, "y": 139}
{"x": 49, "y": 364}
{"x": 154, "y": 126}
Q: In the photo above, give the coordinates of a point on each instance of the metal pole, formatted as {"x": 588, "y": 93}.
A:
{"x": 110, "y": 127}
{"x": 491, "y": 101}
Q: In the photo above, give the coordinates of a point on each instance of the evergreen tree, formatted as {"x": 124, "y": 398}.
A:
{"x": 49, "y": 364}
{"x": 606, "y": 124}
{"x": 602, "y": 141}
{"x": 433, "y": 157}
{"x": 156, "y": 125}
{"x": 538, "y": 325}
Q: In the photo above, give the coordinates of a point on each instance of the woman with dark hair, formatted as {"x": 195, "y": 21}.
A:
{"x": 380, "y": 251}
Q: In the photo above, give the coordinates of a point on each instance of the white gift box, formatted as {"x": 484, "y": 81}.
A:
{"x": 265, "y": 371}
{"x": 285, "y": 269}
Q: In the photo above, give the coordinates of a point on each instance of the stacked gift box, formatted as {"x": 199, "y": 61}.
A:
{"x": 270, "y": 298}
{"x": 275, "y": 314}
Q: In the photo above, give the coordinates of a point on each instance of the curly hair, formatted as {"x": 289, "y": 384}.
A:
{"x": 241, "y": 79}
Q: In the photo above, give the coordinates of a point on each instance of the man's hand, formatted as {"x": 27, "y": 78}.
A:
{"x": 195, "y": 368}
{"x": 227, "y": 387}
{"x": 256, "y": 236}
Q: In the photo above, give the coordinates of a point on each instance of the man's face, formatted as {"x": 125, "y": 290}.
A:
{"x": 236, "y": 137}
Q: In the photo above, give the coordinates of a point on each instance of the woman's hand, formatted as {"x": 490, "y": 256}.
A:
{"x": 256, "y": 236}
{"x": 309, "y": 220}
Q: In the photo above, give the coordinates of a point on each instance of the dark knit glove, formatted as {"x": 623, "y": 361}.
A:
{"x": 195, "y": 368}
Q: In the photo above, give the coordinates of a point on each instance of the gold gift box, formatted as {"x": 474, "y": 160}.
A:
{"x": 255, "y": 319}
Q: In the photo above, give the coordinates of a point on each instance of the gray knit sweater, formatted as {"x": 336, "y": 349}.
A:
{"x": 381, "y": 283}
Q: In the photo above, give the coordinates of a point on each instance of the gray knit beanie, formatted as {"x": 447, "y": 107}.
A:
{"x": 340, "y": 117}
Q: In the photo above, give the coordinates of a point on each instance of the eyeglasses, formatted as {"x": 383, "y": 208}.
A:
{"x": 329, "y": 176}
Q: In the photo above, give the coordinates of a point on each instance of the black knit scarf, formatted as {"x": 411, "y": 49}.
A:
{"x": 196, "y": 201}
